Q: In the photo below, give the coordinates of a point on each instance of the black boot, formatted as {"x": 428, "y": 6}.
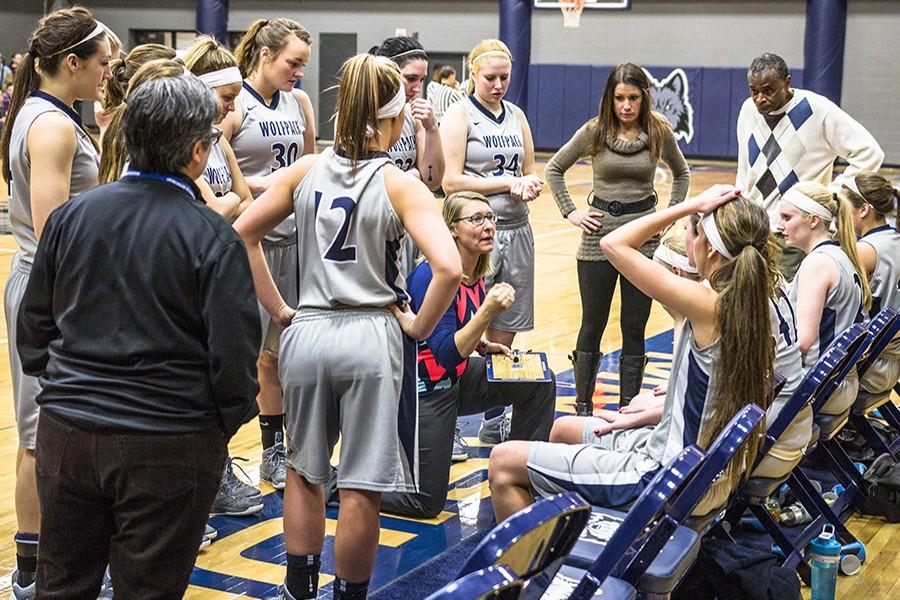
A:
{"x": 631, "y": 374}
{"x": 585, "y": 365}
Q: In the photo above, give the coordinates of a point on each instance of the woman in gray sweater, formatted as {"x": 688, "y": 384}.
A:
{"x": 625, "y": 142}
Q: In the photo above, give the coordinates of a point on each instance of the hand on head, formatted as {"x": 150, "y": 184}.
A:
{"x": 713, "y": 197}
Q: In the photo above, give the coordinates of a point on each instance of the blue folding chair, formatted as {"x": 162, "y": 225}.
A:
{"x": 884, "y": 327}
{"x": 492, "y": 583}
{"x": 534, "y": 541}
{"x": 616, "y": 538}
{"x": 667, "y": 553}
{"x": 815, "y": 389}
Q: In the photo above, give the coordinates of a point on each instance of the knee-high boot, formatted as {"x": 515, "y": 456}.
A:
{"x": 631, "y": 374}
{"x": 586, "y": 365}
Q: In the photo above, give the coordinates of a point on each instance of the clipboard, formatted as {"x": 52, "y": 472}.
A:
{"x": 520, "y": 366}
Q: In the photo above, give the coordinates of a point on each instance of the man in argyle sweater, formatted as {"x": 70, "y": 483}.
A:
{"x": 788, "y": 135}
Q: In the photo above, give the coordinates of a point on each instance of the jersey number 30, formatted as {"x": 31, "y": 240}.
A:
{"x": 285, "y": 155}
{"x": 337, "y": 251}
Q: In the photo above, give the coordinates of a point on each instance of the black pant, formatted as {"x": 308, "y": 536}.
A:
{"x": 138, "y": 502}
{"x": 597, "y": 282}
{"x": 534, "y": 404}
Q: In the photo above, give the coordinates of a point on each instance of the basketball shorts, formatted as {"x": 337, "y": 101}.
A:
{"x": 513, "y": 262}
{"x": 610, "y": 471}
{"x": 282, "y": 261}
{"x": 351, "y": 373}
{"x": 25, "y": 388}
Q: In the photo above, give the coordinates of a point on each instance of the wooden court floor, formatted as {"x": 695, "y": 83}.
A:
{"x": 235, "y": 557}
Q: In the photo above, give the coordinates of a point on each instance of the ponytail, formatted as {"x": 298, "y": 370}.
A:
{"x": 847, "y": 239}
{"x": 745, "y": 285}
{"x": 273, "y": 34}
{"x": 367, "y": 83}
{"x": 25, "y": 82}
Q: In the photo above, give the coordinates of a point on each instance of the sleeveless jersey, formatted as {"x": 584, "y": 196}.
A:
{"x": 494, "y": 148}
{"x": 217, "y": 173}
{"x": 348, "y": 235}
{"x": 270, "y": 138}
{"x": 843, "y": 303}
{"x": 788, "y": 364}
{"x": 85, "y": 168}
{"x": 885, "y": 280}
{"x": 403, "y": 152}
{"x": 687, "y": 406}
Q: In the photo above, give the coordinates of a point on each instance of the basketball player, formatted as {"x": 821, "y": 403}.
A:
{"x": 872, "y": 200}
{"x": 418, "y": 151}
{"x": 831, "y": 289}
{"x": 488, "y": 149}
{"x": 724, "y": 360}
{"x": 271, "y": 127}
{"x": 223, "y": 186}
{"x": 346, "y": 367}
{"x": 47, "y": 158}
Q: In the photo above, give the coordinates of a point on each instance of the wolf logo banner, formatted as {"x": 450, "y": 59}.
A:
{"x": 671, "y": 99}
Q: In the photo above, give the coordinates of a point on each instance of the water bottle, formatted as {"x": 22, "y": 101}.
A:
{"x": 825, "y": 555}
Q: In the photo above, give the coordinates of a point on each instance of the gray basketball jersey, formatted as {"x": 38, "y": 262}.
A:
{"x": 217, "y": 173}
{"x": 348, "y": 235}
{"x": 843, "y": 303}
{"x": 403, "y": 152}
{"x": 788, "y": 364}
{"x": 885, "y": 280}
{"x": 270, "y": 138}
{"x": 686, "y": 408}
{"x": 85, "y": 168}
{"x": 494, "y": 148}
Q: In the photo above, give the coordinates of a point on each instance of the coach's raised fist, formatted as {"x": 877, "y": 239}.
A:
{"x": 500, "y": 297}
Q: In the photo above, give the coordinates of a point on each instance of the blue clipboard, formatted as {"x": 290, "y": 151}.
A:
{"x": 520, "y": 366}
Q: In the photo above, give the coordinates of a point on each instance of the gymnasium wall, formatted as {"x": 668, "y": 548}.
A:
{"x": 713, "y": 41}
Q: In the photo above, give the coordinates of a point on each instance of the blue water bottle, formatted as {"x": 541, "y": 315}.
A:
{"x": 825, "y": 556}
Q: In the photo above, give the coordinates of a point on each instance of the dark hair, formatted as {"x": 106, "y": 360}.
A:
{"x": 401, "y": 50}
{"x": 447, "y": 72}
{"x": 769, "y": 62}
{"x": 54, "y": 33}
{"x": 163, "y": 120}
{"x": 876, "y": 191}
{"x": 654, "y": 125}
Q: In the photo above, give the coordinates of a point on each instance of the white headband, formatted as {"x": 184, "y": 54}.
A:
{"x": 487, "y": 54}
{"x": 96, "y": 31}
{"x": 390, "y": 110}
{"x": 413, "y": 51}
{"x": 708, "y": 222}
{"x": 673, "y": 259}
{"x": 807, "y": 204}
{"x": 850, "y": 183}
{"x": 226, "y": 76}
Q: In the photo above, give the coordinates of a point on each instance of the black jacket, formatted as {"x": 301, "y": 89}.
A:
{"x": 140, "y": 312}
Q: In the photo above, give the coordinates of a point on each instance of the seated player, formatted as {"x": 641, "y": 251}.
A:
{"x": 831, "y": 290}
{"x": 724, "y": 360}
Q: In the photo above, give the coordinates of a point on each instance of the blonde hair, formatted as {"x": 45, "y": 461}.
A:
{"x": 207, "y": 55}
{"x": 367, "y": 83}
{"x": 273, "y": 34}
{"x": 484, "y": 49}
{"x": 452, "y": 211}
{"x": 114, "y": 155}
{"x": 846, "y": 236}
{"x": 674, "y": 241}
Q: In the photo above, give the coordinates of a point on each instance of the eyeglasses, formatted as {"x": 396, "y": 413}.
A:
{"x": 478, "y": 219}
{"x": 215, "y": 135}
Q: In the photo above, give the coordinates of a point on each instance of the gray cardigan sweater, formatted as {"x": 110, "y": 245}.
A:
{"x": 623, "y": 172}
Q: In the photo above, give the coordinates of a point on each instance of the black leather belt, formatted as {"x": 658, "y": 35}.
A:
{"x": 616, "y": 208}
